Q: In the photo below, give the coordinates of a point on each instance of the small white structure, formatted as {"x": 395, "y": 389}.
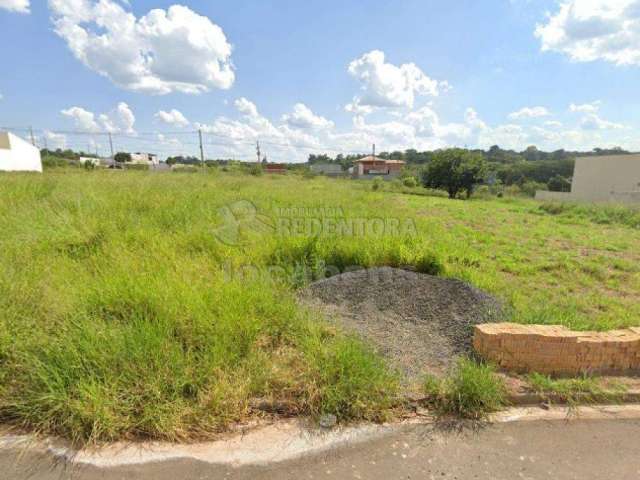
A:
{"x": 612, "y": 178}
{"x": 144, "y": 158}
{"x": 18, "y": 155}
{"x": 90, "y": 160}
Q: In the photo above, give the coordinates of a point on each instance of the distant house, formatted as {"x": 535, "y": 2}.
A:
{"x": 144, "y": 158}
{"x": 18, "y": 155}
{"x": 328, "y": 169}
{"x": 275, "y": 168}
{"x": 375, "y": 167}
{"x": 612, "y": 178}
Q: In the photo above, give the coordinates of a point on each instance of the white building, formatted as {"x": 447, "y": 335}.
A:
{"x": 144, "y": 158}
{"x": 18, "y": 155}
{"x": 612, "y": 178}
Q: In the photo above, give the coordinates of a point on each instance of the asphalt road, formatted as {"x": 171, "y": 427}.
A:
{"x": 585, "y": 449}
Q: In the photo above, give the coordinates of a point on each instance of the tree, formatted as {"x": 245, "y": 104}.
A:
{"x": 455, "y": 170}
{"x": 559, "y": 184}
{"x": 122, "y": 157}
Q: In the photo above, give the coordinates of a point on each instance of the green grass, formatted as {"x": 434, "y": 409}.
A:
{"x": 576, "y": 391}
{"x": 122, "y": 315}
{"x": 472, "y": 390}
{"x": 602, "y": 214}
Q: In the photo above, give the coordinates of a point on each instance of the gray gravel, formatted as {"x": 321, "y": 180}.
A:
{"x": 419, "y": 322}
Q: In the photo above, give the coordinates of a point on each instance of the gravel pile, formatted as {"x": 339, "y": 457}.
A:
{"x": 419, "y": 322}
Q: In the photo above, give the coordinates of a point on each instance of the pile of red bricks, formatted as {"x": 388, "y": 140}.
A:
{"x": 557, "y": 350}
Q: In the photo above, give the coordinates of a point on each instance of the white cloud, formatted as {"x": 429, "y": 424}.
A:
{"x": 387, "y": 85}
{"x": 529, "y": 112}
{"x": 592, "y": 121}
{"x": 245, "y": 106}
{"x": 173, "y": 117}
{"x": 54, "y": 140}
{"x": 421, "y": 129}
{"x": 175, "y": 50}
{"x": 83, "y": 119}
{"x": 588, "y": 30}
{"x": 120, "y": 119}
{"x": 585, "y": 107}
{"x": 302, "y": 117}
{"x": 19, "y": 6}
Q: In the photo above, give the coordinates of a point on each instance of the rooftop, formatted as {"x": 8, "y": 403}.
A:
{"x": 371, "y": 158}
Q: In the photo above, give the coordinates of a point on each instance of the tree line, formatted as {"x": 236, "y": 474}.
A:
{"x": 458, "y": 169}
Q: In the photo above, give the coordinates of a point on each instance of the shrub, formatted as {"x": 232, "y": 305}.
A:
{"x": 377, "y": 184}
{"x": 410, "y": 182}
{"x": 472, "y": 391}
{"x": 255, "y": 170}
{"x": 530, "y": 188}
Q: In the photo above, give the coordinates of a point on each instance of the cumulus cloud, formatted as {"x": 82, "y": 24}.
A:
{"x": 119, "y": 120}
{"x": 302, "y": 117}
{"x": 83, "y": 119}
{"x": 588, "y": 30}
{"x": 529, "y": 112}
{"x": 54, "y": 140}
{"x": 585, "y": 107}
{"x": 172, "y": 117}
{"x": 592, "y": 121}
{"x": 164, "y": 51}
{"x": 245, "y": 106}
{"x": 387, "y": 85}
{"x": 19, "y": 6}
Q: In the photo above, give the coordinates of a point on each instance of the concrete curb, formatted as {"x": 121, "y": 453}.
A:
{"x": 533, "y": 399}
{"x": 278, "y": 442}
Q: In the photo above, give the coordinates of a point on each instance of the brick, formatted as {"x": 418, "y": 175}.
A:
{"x": 558, "y": 350}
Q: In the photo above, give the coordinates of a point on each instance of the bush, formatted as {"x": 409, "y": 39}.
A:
{"x": 472, "y": 391}
{"x": 377, "y": 184}
{"x": 255, "y": 170}
{"x": 559, "y": 184}
{"x": 410, "y": 182}
{"x": 530, "y": 188}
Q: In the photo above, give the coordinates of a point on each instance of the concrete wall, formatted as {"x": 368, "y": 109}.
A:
{"x": 18, "y": 155}
{"x": 556, "y": 350}
{"x": 327, "y": 169}
{"x": 547, "y": 196}
{"x": 614, "y": 178}
{"x": 606, "y": 178}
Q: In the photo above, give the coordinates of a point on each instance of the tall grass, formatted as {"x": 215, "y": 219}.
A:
{"x": 122, "y": 314}
{"x": 472, "y": 390}
{"x": 603, "y": 214}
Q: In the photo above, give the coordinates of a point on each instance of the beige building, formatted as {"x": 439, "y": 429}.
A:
{"x": 614, "y": 178}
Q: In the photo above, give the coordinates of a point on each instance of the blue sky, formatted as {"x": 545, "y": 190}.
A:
{"x": 313, "y": 76}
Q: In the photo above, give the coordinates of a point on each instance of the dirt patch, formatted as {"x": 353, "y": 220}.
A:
{"x": 419, "y": 322}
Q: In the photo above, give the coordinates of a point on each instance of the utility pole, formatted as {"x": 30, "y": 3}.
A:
{"x": 374, "y": 150}
{"x": 33, "y": 140}
{"x": 201, "y": 149}
{"x": 258, "y": 151}
{"x": 111, "y": 146}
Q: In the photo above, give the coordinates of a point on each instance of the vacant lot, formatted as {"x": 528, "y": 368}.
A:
{"x": 163, "y": 305}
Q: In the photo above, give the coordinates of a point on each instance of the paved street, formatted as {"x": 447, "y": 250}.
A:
{"x": 597, "y": 449}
